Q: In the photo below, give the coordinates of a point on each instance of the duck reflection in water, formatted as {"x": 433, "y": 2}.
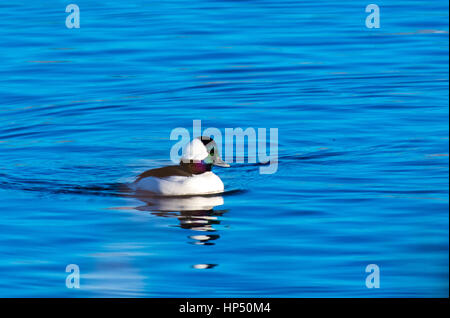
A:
{"x": 195, "y": 213}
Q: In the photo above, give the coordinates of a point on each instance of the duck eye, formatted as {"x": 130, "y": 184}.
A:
{"x": 211, "y": 152}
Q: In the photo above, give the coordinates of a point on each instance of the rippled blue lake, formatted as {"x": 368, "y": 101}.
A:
{"x": 362, "y": 178}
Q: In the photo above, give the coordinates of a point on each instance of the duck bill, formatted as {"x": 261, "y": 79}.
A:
{"x": 220, "y": 163}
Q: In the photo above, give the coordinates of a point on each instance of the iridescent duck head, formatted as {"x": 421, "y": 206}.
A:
{"x": 200, "y": 155}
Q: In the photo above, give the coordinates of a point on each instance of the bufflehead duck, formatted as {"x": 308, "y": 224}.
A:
{"x": 193, "y": 176}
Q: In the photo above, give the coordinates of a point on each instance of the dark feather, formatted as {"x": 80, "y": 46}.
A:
{"x": 165, "y": 172}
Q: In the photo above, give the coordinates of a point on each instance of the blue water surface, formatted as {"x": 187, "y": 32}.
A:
{"x": 362, "y": 178}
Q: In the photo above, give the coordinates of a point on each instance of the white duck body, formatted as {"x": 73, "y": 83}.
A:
{"x": 205, "y": 183}
{"x": 192, "y": 177}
